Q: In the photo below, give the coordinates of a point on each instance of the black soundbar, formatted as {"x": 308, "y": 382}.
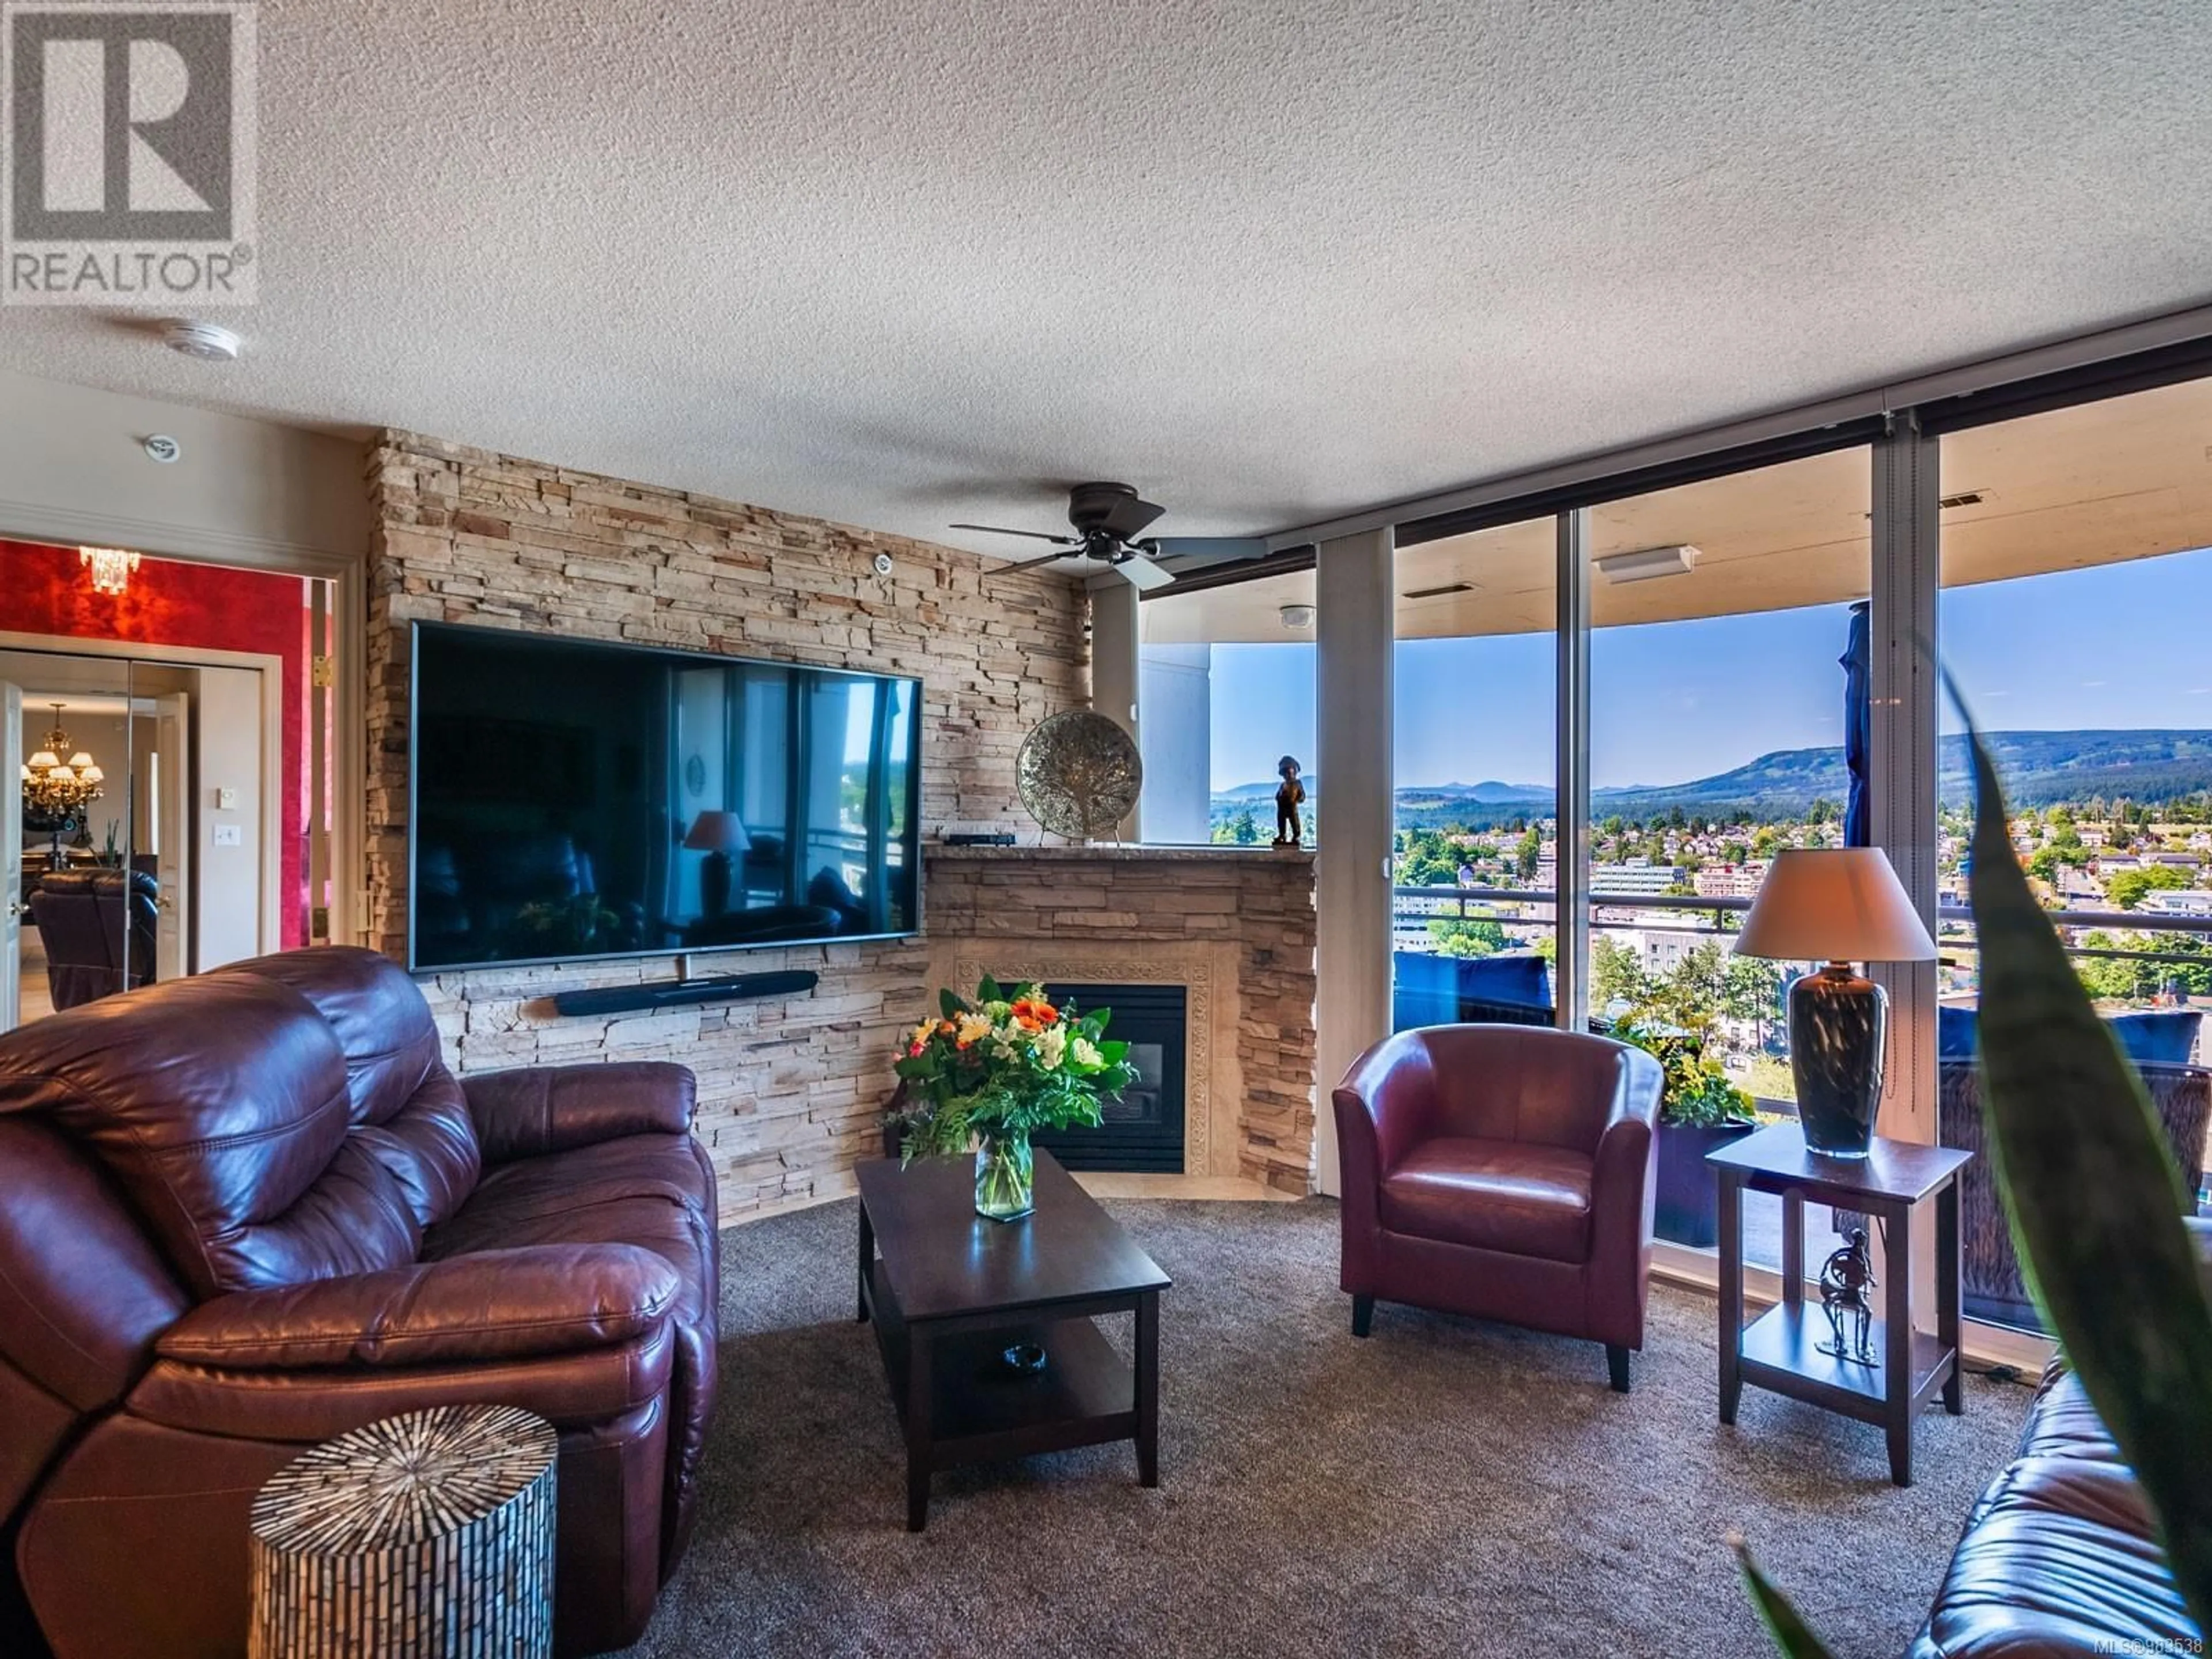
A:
{"x": 684, "y": 992}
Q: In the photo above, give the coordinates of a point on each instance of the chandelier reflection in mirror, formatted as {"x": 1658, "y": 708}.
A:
{"x": 112, "y": 568}
{"x": 57, "y": 791}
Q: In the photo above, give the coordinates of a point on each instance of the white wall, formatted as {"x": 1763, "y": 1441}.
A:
{"x": 226, "y": 754}
{"x": 73, "y": 469}
{"x": 1176, "y": 691}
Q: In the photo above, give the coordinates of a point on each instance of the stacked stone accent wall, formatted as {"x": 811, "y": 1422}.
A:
{"x": 789, "y": 1089}
{"x": 1032, "y": 903}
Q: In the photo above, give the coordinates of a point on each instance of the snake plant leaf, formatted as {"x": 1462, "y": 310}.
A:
{"x": 2094, "y": 1199}
{"x": 1792, "y": 1636}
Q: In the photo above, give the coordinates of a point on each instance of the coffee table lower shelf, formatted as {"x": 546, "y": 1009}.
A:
{"x": 969, "y": 1408}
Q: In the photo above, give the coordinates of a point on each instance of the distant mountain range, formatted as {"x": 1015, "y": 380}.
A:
{"x": 2039, "y": 769}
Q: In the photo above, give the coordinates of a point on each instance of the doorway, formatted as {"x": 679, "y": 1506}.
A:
{"x": 147, "y": 840}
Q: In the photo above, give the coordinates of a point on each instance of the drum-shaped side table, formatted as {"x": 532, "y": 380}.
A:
{"x": 424, "y": 1536}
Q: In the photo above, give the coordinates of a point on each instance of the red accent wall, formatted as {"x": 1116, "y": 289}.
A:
{"x": 47, "y": 590}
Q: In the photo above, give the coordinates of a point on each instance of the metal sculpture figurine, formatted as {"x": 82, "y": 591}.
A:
{"x": 1290, "y": 824}
{"x": 1846, "y": 1279}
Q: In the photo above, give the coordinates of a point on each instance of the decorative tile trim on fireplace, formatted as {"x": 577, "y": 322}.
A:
{"x": 1192, "y": 967}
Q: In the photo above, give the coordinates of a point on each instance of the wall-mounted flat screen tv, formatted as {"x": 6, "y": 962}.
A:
{"x": 569, "y": 800}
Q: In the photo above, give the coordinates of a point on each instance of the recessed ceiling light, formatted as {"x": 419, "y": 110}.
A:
{"x": 1648, "y": 562}
{"x": 208, "y": 341}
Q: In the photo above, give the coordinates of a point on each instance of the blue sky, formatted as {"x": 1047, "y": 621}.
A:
{"x": 2121, "y": 645}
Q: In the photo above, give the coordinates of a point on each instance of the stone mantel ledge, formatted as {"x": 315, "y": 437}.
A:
{"x": 1118, "y": 852}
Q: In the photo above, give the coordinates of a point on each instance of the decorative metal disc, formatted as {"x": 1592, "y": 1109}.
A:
{"x": 1079, "y": 774}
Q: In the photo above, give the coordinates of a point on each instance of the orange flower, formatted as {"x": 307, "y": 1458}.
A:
{"x": 1034, "y": 1014}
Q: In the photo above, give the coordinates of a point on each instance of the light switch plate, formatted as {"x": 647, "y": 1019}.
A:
{"x": 226, "y": 800}
{"x": 229, "y": 835}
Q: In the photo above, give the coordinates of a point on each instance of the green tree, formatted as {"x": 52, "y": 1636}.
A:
{"x": 1428, "y": 868}
{"x": 2046, "y": 861}
{"x": 1457, "y": 936}
{"x": 2125, "y": 890}
{"x": 1244, "y": 828}
{"x": 1527, "y": 852}
{"x": 1616, "y": 973}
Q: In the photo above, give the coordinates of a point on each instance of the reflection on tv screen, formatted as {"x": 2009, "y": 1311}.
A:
{"x": 573, "y": 799}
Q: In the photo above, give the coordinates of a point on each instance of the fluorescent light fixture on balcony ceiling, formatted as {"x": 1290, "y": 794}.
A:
{"x": 1647, "y": 562}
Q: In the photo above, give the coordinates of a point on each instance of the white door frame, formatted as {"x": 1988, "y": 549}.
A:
{"x": 11, "y": 861}
{"x": 270, "y": 667}
{"x": 347, "y": 572}
{"x": 174, "y": 852}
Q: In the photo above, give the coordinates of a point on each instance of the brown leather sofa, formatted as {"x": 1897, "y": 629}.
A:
{"x": 1503, "y": 1171}
{"x": 97, "y": 928}
{"x": 241, "y": 1212}
{"x": 2060, "y": 1555}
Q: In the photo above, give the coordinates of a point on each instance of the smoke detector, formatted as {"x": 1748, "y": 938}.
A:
{"x": 1297, "y": 615}
{"x": 208, "y": 341}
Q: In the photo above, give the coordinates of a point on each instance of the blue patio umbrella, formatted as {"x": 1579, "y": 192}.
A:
{"x": 1858, "y": 676}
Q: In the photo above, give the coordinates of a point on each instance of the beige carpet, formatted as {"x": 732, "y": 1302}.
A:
{"x": 1446, "y": 1487}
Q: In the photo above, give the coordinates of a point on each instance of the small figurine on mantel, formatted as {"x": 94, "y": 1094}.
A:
{"x": 1289, "y": 824}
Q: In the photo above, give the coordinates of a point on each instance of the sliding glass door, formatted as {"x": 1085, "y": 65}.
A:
{"x": 1474, "y": 864}
{"x": 2076, "y": 565}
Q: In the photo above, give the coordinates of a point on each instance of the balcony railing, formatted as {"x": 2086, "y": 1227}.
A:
{"x": 1719, "y": 908}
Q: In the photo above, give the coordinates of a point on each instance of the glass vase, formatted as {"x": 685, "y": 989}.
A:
{"x": 1005, "y": 1177}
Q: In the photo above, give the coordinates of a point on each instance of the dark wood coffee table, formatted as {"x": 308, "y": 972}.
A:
{"x": 1780, "y": 1350}
{"x": 951, "y": 1291}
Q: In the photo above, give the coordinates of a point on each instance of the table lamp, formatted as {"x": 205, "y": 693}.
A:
{"x": 1841, "y": 905}
{"x": 718, "y": 835}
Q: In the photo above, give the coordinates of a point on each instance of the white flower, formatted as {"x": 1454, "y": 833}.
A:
{"x": 1086, "y": 1053}
{"x": 1052, "y": 1047}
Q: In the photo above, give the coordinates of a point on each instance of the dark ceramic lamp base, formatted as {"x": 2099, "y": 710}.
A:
{"x": 1838, "y": 1023}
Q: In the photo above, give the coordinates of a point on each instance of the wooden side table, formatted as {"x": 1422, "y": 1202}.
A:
{"x": 1779, "y": 1351}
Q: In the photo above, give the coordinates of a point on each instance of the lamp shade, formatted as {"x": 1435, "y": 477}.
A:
{"x": 1834, "y": 904}
{"x": 717, "y": 832}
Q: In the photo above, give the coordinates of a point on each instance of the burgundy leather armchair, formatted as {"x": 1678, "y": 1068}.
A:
{"x": 242, "y": 1212}
{"x": 1502, "y": 1171}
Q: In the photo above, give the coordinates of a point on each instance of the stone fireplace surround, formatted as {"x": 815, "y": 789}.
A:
{"x": 1233, "y": 926}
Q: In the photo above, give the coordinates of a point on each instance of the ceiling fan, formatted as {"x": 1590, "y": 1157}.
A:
{"x": 1108, "y": 520}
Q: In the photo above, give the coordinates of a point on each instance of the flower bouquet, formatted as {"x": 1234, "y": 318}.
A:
{"x": 988, "y": 1072}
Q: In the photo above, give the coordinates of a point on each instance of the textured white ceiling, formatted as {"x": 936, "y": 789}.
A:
{"x": 901, "y": 262}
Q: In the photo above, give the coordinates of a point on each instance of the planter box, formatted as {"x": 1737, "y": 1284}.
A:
{"x": 1688, "y": 1210}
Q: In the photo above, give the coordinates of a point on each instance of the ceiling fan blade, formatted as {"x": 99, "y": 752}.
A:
{"x": 1209, "y": 549}
{"x": 1032, "y": 564}
{"x": 1034, "y": 535}
{"x": 1127, "y": 518}
{"x": 1141, "y": 573}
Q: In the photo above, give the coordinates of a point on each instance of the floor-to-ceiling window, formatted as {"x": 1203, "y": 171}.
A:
{"x": 1475, "y": 816}
{"x": 2076, "y": 569}
{"x": 1225, "y": 689}
{"x": 1723, "y": 615}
